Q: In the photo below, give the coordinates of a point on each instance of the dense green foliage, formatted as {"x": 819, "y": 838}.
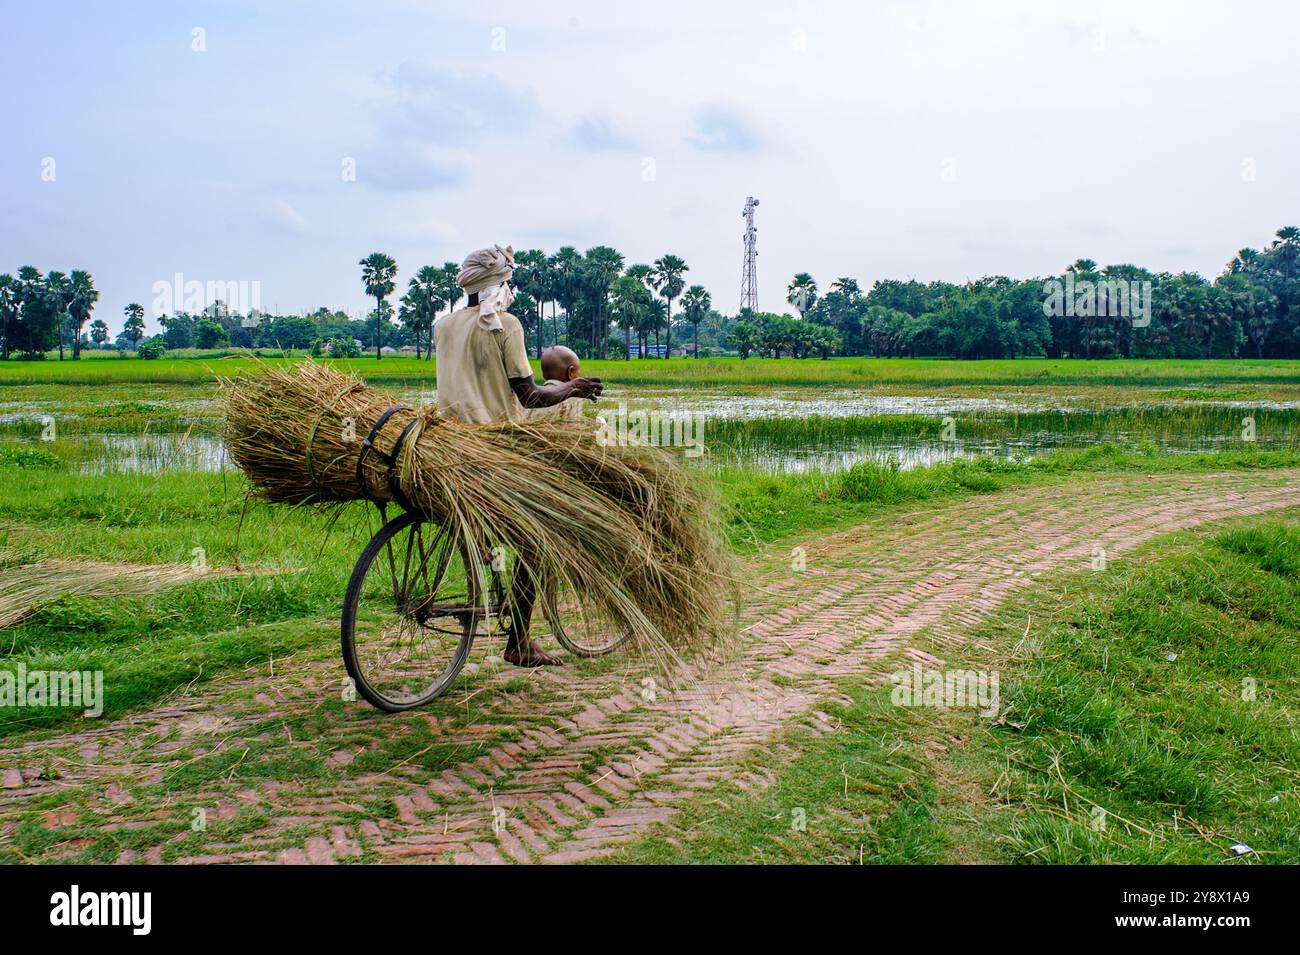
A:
{"x": 1252, "y": 309}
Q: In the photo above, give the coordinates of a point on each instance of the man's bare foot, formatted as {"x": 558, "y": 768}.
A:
{"x": 531, "y": 655}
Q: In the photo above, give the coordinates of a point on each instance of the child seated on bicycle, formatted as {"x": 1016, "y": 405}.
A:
{"x": 559, "y": 365}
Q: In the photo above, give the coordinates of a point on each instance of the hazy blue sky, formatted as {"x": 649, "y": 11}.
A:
{"x": 933, "y": 140}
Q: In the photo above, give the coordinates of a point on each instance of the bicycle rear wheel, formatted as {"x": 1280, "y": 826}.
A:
{"x": 579, "y": 626}
{"x": 410, "y": 614}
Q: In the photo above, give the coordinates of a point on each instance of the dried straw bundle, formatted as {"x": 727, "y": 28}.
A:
{"x": 625, "y": 527}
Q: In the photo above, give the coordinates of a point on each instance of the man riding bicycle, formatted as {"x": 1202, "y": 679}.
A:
{"x": 484, "y": 376}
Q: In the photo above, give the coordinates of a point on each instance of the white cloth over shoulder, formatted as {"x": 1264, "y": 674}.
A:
{"x": 488, "y": 272}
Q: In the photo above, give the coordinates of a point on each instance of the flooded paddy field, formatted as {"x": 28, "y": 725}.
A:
{"x": 157, "y": 427}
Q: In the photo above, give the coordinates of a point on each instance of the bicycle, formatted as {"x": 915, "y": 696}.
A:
{"x": 414, "y": 606}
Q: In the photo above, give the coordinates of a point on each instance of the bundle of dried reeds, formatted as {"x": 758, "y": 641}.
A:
{"x": 625, "y": 526}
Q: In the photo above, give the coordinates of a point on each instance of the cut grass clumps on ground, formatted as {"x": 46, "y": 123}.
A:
{"x": 24, "y": 587}
{"x": 1158, "y": 717}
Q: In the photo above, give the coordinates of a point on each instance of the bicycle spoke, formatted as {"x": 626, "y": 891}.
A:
{"x": 406, "y": 563}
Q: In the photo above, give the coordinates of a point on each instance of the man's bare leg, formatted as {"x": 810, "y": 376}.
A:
{"x": 520, "y": 649}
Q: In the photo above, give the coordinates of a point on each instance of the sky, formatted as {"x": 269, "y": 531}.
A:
{"x": 278, "y": 143}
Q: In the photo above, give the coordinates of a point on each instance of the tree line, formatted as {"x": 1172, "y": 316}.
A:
{"x": 599, "y": 305}
{"x": 1252, "y": 309}
{"x": 599, "y": 295}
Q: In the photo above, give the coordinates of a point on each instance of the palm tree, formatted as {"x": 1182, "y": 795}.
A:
{"x": 1245, "y": 261}
{"x": 80, "y": 305}
{"x": 603, "y": 265}
{"x": 58, "y": 292}
{"x": 99, "y": 331}
{"x": 825, "y": 340}
{"x": 744, "y": 336}
{"x": 29, "y": 297}
{"x": 695, "y": 305}
{"x": 802, "y": 293}
{"x": 1288, "y": 241}
{"x": 438, "y": 290}
{"x": 547, "y": 282}
{"x": 650, "y": 310}
{"x": 449, "y": 292}
{"x": 8, "y": 310}
{"x": 421, "y": 303}
{"x": 565, "y": 266}
{"x": 655, "y": 314}
{"x": 641, "y": 273}
{"x": 847, "y": 287}
{"x": 635, "y": 308}
{"x": 408, "y": 313}
{"x": 134, "y": 327}
{"x": 529, "y": 276}
{"x": 527, "y": 310}
{"x": 668, "y": 281}
{"x": 378, "y": 272}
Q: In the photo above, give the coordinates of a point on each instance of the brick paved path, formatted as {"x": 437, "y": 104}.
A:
{"x": 582, "y": 760}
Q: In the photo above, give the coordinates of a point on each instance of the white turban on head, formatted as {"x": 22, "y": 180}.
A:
{"x": 488, "y": 272}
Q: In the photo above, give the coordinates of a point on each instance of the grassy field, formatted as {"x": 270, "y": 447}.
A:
{"x": 1190, "y": 375}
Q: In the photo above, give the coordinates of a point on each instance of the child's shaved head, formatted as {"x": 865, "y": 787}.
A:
{"x": 560, "y": 364}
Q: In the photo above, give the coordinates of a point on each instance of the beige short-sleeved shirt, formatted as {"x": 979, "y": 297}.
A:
{"x": 568, "y": 408}
{"x": 475, "y": 366}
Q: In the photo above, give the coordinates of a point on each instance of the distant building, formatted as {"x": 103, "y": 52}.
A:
{"x": 650, "y": 351}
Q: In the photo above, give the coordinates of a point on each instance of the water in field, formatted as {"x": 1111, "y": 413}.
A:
{"x": 144, "y": 453}
{"x": 173, "y": 427}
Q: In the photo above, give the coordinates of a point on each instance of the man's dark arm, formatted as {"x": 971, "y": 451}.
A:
{"x": 531, "y": 395}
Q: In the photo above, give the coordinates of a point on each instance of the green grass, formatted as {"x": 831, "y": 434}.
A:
{"x": 731, "y": 372}
{"x": 1140, "y": 735}
{"x": 24, "y": 458}
{"x": 1179, "y": 425}
{"x": 286, "y": 599}
{"x": 1168, "y": 690}
{"x": 1130, "y": 730}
